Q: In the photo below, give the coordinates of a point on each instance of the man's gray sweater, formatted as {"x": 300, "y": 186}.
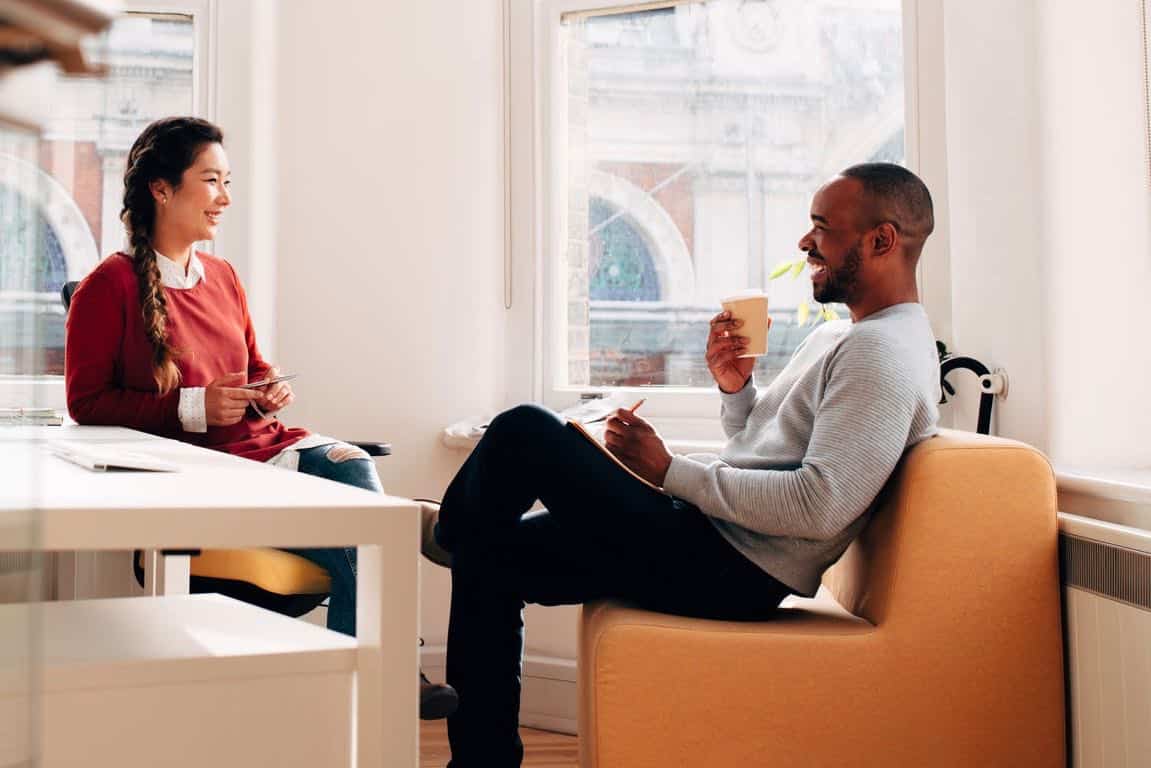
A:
{"x": 806, "y": 457}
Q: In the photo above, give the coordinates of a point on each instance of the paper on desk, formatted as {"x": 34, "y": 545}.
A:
{"x": 591, "y": 413}
{"x": 48, "y": 417}
{"x": 106, "y": 457}
{"x": 598, "y": 409}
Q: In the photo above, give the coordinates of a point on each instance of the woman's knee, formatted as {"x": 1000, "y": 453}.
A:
{"x": 343, "y": 463}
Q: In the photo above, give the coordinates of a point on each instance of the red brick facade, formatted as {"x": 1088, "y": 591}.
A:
{"x": 677, "y": 198}
{"x": 85, "y": 180}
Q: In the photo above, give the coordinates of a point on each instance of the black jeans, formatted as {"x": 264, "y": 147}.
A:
{"x": 603, "y": 534}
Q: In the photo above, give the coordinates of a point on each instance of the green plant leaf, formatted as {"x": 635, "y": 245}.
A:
{"x": 829, "y": 314}
{"x": 797, "y": 267}
{"x": 801, "y": 314}
{"x": 780, "y": 269}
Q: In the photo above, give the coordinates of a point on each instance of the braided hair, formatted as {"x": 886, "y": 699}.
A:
{"x": 165, "y": 149}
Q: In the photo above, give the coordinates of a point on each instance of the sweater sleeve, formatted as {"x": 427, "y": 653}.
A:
{"x": 95, "y": 330}
{"x": 860, "y": 431}
{"x": 736, "y": 407}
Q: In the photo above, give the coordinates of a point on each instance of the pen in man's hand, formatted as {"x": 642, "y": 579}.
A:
{"x": 635, "y": 407}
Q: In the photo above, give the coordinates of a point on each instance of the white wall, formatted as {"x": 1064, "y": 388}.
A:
{"x": 390, "y": 282}
{"x": 1049, "y": 202}
{"x": 993, "y": 178}
{"x": 244, "y": 103}
{"x": 1096, "y": 243}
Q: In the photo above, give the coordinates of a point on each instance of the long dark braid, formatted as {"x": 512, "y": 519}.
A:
{"x": 165, "y": 149}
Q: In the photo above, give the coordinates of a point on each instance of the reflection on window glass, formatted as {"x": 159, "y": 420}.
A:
{"x": 60, "y": 205}
{"x": 33, "y": 256}
{"x": 695, "y": 138}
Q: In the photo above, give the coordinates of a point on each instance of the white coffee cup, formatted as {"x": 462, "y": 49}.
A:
{"x": 751, "y": 308}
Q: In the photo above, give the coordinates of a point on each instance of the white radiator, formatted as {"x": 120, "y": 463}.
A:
{"x": 1107, "y": 608}
{"x": 22, "y": 577}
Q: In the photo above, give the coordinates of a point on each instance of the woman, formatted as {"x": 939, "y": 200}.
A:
{"x": 160, "y": 339}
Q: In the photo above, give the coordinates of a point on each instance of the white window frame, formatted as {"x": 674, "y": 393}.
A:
{"x": 535, "y": 165}
{"x": 203, "y": 13}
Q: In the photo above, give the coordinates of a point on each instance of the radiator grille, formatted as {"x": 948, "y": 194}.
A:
{"x": 1107, "y": 570}
{"x": 19, "y": 562}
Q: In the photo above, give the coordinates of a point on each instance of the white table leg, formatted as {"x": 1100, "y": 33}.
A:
{"x": 387, "y": 627}
{"x": 174, "y": 574}
{"x": 152, "y": 561}
{"x": 166, "y": 574}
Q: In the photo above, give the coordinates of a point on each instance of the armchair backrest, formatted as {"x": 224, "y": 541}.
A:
{"x": 964, "y": 520}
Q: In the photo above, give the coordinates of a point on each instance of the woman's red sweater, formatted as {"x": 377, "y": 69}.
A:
{"x": 107, "y": 359}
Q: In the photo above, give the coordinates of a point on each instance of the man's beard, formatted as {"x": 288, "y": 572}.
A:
{"x": 839, "y": 284}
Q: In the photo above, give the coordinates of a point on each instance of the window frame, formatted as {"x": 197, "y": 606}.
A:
{"x": 203, "y": 14}
{"x": 535, "y": 163}
{"x": 47, "y": 390}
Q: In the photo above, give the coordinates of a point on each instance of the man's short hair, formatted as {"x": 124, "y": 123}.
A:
{"x": 893, "y": 193}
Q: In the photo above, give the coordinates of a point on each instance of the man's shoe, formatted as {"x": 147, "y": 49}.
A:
{"x": 429, "y": 516}
{"x": 436, "y": 701}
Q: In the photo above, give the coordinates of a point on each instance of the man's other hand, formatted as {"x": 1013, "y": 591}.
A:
{"x": 638, "y": 445}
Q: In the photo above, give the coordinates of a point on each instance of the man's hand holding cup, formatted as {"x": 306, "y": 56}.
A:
{"x": 737, "y": 336}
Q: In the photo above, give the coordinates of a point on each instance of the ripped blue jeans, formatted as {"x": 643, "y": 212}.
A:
{"x": 344, "y": 464}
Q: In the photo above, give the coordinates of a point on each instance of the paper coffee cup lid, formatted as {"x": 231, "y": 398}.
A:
{"x": 750, "y": 293}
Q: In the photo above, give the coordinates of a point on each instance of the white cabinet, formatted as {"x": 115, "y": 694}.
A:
{"x": 179, "y": 681}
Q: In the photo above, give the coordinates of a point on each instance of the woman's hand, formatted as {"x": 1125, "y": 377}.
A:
{"x": 224, "y": 402}
{"x": 275, "y": 397}
{"x": 724, "y": 348}
{"x": 638, "y": 445}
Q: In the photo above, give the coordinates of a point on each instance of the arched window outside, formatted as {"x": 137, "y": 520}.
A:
{"x": 31, "y": 256}
{"x": 621, "y": 267}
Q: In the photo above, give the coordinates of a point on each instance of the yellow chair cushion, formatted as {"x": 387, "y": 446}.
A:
{"x": 269, "y": 569}
{"x": 272, "y": 570}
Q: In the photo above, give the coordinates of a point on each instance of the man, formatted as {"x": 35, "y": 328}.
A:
{"x": 737, "y": 531}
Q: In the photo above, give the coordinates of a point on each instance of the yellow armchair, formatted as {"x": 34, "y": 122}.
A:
{"x": 936, "y": 641}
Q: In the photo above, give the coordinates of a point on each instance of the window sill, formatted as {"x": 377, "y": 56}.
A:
{"x": 458, "y": 442}
{"x": 1106, "y": 504}
{"x": 32, "y": 391}
{"x": 1129, "y": 485}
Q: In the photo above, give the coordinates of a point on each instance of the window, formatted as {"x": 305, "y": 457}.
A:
{"x": 688, "y": 142}
{"x": 60, "y": 204}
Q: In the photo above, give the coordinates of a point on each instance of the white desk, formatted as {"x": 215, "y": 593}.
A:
{"x": 218, "y": 500}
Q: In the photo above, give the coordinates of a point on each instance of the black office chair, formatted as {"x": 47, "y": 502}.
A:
{"x": 270, "y": 578}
